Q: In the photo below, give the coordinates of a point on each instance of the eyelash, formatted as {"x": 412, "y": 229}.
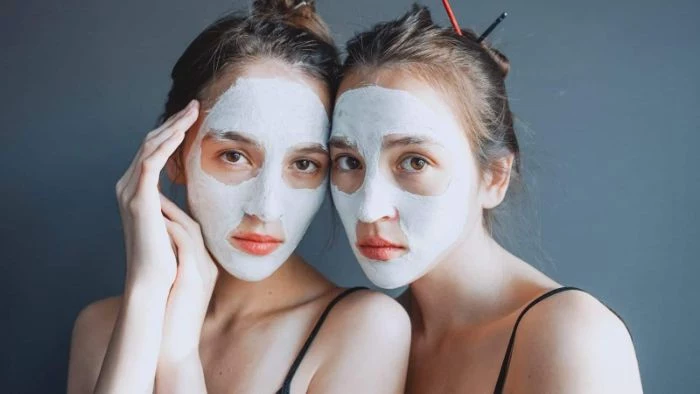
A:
{"x": 313, "y": 163}
{"x": 405, "y": 160}
{"x": 408, "y": 160}
{"x": 224, "y": 155}
{"x": 337, "y": 163}
{"x": 316, "y": 165}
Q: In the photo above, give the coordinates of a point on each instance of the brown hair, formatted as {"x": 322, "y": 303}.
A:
{"x": 463, "y": 68}
{"x": 286, "y": 30}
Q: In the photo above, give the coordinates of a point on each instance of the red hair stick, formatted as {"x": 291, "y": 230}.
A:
{"x": 451, "y": 15}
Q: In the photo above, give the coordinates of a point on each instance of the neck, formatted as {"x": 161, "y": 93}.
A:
{"x": 470, "y": 286}
{"x": 295, "y": 282}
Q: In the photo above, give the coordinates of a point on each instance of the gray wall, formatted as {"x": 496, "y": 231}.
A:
{"x": 607, "y": 94}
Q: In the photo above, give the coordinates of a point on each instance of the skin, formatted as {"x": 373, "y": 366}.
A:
{"x": 463, "y": 308}
{"x": 194, "y": 328}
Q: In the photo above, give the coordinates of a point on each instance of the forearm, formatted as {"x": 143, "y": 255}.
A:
{"x": 132, "y": 355}
{"x": 185, "y": 376}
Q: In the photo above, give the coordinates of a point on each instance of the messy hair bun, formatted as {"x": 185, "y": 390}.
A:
{"x": 497, "y": 56}
{"x": 298, "y": 13}
{"x": 500, "y": 59}
{"x": 285, "y": 30}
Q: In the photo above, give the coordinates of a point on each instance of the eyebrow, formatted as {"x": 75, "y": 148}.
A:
{"x": 341, "y": 143}
{"x": 232, "y": 136}
{"x": 310, "y": 149}
{"x": 405, "y": 141}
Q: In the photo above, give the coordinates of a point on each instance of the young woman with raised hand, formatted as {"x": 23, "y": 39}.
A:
{"x": 217, "y": 301}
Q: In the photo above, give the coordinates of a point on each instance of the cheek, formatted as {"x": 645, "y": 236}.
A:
{"x": 298, "y": 180}
{"x": 428, "y": 214}
{"x": 430, "y": 182}
{"x": 299, "y": 208}
{"x": 347, "y": 181}
{"x": 216, "y": 167}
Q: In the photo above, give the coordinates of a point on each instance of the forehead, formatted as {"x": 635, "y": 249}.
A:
{"x": 396, "y": 78}
{"x": 267, "y": 106}
{"x": 392, "y": 103}
{"x": 263, "y": 69}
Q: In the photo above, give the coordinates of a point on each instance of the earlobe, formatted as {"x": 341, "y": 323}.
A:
{"x": 496, "y": 182}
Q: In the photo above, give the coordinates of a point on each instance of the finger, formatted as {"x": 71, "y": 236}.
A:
{"x": 153, "y": 140}
{"x": 128, "y": 174}
{"x": 182, "y": 122}
{"x": 179, "y": 237}
{"x": 152, "y": 165}
{"x": 173, "y": 245}
{"x": 168, "y": 122}
{"x": 176, "y": 214}
{"x": 172, "y": 119}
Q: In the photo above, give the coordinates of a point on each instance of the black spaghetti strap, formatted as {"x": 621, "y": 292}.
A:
{"x": 286, "y": 386}
{"x": 500, "y": 383}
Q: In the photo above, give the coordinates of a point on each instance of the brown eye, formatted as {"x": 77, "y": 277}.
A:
{"x": 234, "y": 157}
{"x": 305, "y": 166}
{"x": 413, "y": 164}
{"x": 347, "y": 163}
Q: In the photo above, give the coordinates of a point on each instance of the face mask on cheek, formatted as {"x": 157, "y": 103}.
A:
{"x": 431, "y": 224}
{"x": 278, "y": 114}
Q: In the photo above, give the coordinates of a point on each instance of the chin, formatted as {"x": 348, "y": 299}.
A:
{"x": 251, "y": 271}
{"x": 389, "y": 275}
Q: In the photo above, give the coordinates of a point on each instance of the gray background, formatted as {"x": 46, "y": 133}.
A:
{"x": 607, "y": 94}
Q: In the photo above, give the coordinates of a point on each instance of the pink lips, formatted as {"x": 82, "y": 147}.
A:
{"x": 255, "y": 244}
{"x": 377, "y": 248}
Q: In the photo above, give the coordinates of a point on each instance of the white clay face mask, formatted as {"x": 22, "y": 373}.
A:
{"x": 277, "y": 114}
{"x": 431, "y": 224}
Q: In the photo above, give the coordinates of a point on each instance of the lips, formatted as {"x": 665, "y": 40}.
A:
{"x": 255, "y": 244}
{"x": 377, "y": 248}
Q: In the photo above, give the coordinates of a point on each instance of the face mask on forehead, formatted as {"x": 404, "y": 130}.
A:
{"x": 278, "y": 115}
{"x": 364, "y": 117}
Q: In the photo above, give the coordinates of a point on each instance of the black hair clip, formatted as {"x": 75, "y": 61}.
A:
{"x": 493, "y": 26}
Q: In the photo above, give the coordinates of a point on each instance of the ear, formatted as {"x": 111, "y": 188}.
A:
{"x": 174, "y": 168}
{"x": 496, "y": 181}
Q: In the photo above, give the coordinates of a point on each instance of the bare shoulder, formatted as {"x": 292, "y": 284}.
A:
{"x": 100, "y": 313}
{"x": 571, "y": 342}
{"x": 91, "y": 334}
{"x": 367, "y": 312}
{"x": 366, "y": 340}
{"x": 94, "y": 324}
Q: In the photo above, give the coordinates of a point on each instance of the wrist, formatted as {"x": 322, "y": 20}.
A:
{"x": 145, "y": 287}
{"x": 171, "y": 363}
{"x": 147, "y": 295}
{"x": 178, "y": 348}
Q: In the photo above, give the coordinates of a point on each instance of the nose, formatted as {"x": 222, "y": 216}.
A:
{"x": 376, "y": 200}
{"x": 265, "y": 201}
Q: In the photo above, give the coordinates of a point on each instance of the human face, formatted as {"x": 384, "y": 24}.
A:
{"x": 256, "y": 170}
{"x": 404, "y": 180}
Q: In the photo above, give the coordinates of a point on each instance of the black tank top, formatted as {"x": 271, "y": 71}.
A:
{"x": 286, "y": 386}
{"x": 501, "y": 382}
